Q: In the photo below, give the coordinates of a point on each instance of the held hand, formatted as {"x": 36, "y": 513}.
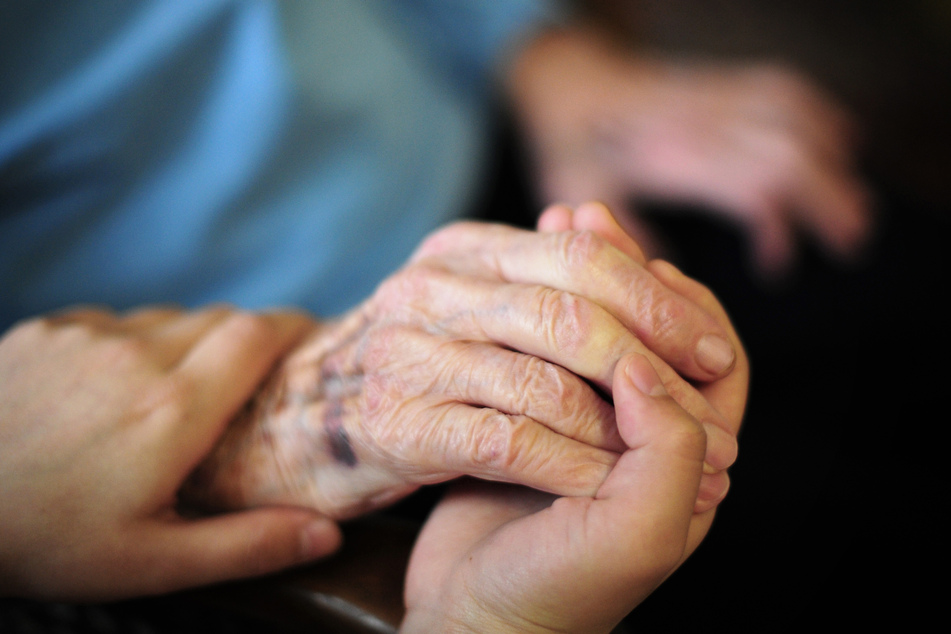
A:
{"x": 494, "y": 558}
{"x": 759, "y": 144}
{"x": 490, "y": 355}
{"x": 102, "y": 417}
{"x": 727, "y": 394}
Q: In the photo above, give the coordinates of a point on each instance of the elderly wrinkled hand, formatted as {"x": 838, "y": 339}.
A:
{"x": 759, "y": 144}
{"x": 491, "y": 354}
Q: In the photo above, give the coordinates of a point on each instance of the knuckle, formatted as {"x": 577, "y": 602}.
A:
{"x": 250, "y": 326}
{"x": 378, "y": 345}
{"x": 411, "y": 282}
{"x": 563, "y": 319}
{"x": 496, "y": 443}
{"x": 688, "y": 438}
{"x": 580, "y": 248}
{"x": 382, "y": 396}
{"x": 658, "y": 313}
{"x": 442, "y": 239}
{"x": 539, "y": 384}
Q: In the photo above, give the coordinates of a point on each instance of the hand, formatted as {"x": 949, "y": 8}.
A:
{"x": 495, "y": 558}
{"x": 102, "y": 417}
{"x": 490, "y": 355}
{"x": 759, "y": 144}
{"x": 727, "y": 394}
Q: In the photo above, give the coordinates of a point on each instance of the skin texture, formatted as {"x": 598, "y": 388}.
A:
{"x": 759, "y": 144}
{"x": 507, "y": 559}
{"x": 492, "y": 354}
{"x": 102, "y": 417}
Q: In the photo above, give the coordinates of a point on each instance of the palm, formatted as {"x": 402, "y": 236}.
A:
{"x": 493, "y": 537}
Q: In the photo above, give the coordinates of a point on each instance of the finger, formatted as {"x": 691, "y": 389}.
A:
{"x": 729, "y": 394}
{"x": 833, "y": 206}
{"x": 180, "y": 554}
{"x": 593, "y": 216}
{"x": 411, "y": 363}
{"x": 170, "y": 332}
{"x": 598, "y": 218}
{"x": 780, "y": 97}
{"x": 586, "y": 265}
{"x": 148, "y": 318}
{"x": 622, "y": 544}
{"x": 773, "y": 240}
{"x": 652, "y": 491}
{"x": 713, "y": 489}
{"x": 173, "y": 338}
{"x": 555, "y": 218}
{"x": 559, "y": 327}
{"x": 96, "y": 316}
{"x": 227, "y": 364}
{"x": 827, "y": 200}
{"x": 426, "y": 440}
{"x": 485, "y": 443}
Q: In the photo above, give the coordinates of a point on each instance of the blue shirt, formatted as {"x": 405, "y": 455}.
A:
{"x": 245, "y": 151}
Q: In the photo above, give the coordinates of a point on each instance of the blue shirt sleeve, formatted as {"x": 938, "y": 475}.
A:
{"x": 236, "y": 151}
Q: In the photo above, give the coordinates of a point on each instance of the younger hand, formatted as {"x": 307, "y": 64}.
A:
{"x": 495, "y": 558}
{"x": 102, "y": 417}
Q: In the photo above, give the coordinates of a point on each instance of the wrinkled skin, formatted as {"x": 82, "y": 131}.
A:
{"x": 757, "y": 144}
{"x": 492, "y": 354}
{"x": 499, "y": 558}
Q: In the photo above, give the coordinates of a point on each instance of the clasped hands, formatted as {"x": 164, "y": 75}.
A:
{"x": 494, "y": 353}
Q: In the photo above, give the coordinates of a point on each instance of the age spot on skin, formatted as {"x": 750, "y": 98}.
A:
{"x": 340, "y": 447}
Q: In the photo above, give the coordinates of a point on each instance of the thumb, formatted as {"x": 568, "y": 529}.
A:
{"x": 620, "y": 546}
{"x": 236, "y": 545}
{"x": 647, "y": 503}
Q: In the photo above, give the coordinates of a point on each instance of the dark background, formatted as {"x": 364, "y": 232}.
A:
{"x": 837, "y": 505}
{"x": 836, "y": 512}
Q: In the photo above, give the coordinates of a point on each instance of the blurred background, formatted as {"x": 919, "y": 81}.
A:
{"x": 834, "y": 512}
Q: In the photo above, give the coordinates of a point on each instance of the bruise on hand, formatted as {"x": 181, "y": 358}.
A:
{"x": 340, "y": 447}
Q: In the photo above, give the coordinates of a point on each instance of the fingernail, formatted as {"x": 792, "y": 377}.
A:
{"x": 715, "y": 354}
{"x": 319, "y": 538}
{"x": 713, "y": 489}
{"x": 644, "y": 377}
{"x": 722, "y": 447}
